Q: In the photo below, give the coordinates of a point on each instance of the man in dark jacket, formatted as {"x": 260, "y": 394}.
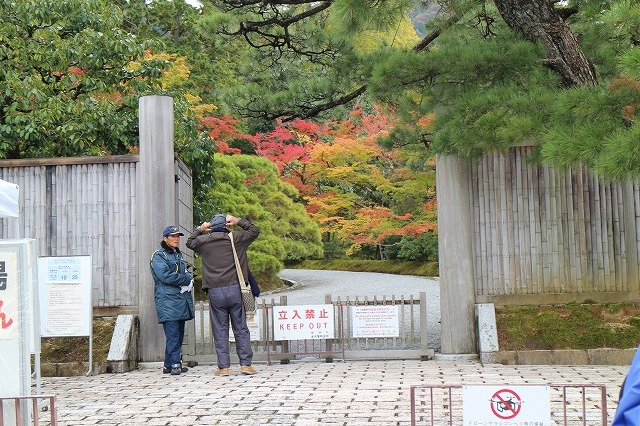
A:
{"x": 220, "y": 280}
{"x": 173, "y": 297}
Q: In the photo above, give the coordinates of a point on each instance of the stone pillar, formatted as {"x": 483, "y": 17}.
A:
{"x": 455, "y": 257}
{"x": 156, "y": 209}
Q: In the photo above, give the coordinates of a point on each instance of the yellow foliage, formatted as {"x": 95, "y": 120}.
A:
{"x": 203, "y": 110}
{"x": 345, "y": 151}
{"x": 198, "y": 109}
{"x": 192, "y": 99}
{"x": 177, "y": 74}
{"x": 403, "y": 36}
{"x": 174, "y": 75}
{"x": 302, "y": 138}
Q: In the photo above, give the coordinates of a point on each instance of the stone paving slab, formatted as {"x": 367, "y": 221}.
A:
{"x": 300, "y": 393}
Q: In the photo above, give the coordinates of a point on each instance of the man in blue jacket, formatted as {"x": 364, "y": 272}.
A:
{"x": 628, "y": 412}
{"x": 173, "y": 297}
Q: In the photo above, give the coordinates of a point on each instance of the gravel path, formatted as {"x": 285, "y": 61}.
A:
{"x": 312, "y": 285}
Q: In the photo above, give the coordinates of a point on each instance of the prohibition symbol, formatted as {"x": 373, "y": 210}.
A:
{"x": 505, "y": 404}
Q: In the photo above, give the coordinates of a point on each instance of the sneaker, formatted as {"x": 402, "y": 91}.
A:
{"x": 166, "y": 370}
{"x": 221, "y": 372}
{"x": 175, "y": 371}
{"x": 247, "y": 370}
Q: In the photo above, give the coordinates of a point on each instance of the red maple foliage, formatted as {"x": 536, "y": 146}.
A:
{"x": 222, "y": 129}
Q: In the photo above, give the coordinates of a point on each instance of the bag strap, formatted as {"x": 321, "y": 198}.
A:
{"x": 235, "y": 257}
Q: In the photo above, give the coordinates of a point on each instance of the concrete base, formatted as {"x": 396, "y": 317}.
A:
{"x": 150, "y": 365}
{"x": 455, "y": 357}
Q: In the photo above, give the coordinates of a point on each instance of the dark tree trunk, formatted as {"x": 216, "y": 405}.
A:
{"x": 538, "y": 21}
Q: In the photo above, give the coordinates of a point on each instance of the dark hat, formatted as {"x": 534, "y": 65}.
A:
{"x": 218, "y": 221}
{"x": 171, "y": 230}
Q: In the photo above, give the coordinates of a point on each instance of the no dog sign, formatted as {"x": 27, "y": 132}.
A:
{"x": 506, "y": 405}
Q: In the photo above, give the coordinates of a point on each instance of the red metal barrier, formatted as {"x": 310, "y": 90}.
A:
{"x": 33, "y": 413}
{"x": 570, "y": 404}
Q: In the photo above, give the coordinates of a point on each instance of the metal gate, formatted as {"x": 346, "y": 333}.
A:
{"x": 411, "y": 342}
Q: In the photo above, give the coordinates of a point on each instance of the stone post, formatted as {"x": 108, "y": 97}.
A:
{"x": 455, "y": 257}
{"x": 156, "y": 210}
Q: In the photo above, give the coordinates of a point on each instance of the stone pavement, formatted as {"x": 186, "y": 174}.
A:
{"x": 304, "y": 392}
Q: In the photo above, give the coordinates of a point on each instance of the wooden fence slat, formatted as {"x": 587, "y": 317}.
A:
{"x": 541, "y": 231}
{"x": 572, "y": 240}
{"x": 586, "y": 253}
{"x": 617, "y": 238}
{"x": 478, "y": 231}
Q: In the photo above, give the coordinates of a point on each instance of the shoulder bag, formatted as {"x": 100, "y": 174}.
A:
{"x": 248, "y": 300}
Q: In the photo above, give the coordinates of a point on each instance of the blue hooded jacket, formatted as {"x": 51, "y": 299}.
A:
{"x": 628, "y": 411}
{"x": 169, "y": 274}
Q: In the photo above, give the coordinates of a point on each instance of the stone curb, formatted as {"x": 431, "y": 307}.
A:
{"x": 602, "y": 356}
{"x": 70, "y": 369}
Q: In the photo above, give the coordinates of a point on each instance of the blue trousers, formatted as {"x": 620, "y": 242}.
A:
{"x": 174, "y": 335}
{"x": 225, "y": 303}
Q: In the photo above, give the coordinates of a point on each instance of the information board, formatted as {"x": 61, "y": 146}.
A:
{"x": 375, "y": 321}
{"x": 66, "y": 306}
{"x": 254, "y": 326}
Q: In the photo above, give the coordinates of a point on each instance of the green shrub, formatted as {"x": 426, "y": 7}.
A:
{"x": 333, "y": 249}
{"x": 422, "y": 248}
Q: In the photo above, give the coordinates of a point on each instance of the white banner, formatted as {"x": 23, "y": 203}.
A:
{"x": 303, "y": 322}
{"x": 17, "y": 309}
{"x": 8, "y": 199}
{"x": 9, "y": 302}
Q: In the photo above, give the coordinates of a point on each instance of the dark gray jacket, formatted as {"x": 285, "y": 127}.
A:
{"x": 218, "y": 266}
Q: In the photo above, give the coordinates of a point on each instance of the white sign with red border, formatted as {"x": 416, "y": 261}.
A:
{"x": 303, "y": 322}
{"x": 506, "y": 405}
